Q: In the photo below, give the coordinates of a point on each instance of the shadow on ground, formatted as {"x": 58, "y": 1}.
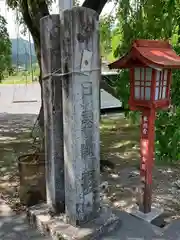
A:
{"x": 119, "y": 141}
{"x": 120, "y": 145}
{"x": 15, "y": 132}
{"x": 15, "y": 227}
{"x": 19, "y": 229}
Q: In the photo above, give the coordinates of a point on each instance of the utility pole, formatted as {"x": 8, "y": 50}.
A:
{"x": 17, "y": 49}
{"x": 65, "y": 4}
{"x": 30, "y": 57}
{"x": 26, "y": 64}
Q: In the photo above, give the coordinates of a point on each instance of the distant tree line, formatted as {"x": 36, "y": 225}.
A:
{"x": 5, "y": 48}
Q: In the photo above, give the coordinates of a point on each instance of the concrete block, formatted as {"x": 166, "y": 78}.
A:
{"x": 58, "y": 229}
{"x": 148, "y": 217}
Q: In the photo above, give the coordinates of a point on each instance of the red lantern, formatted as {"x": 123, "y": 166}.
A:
{"x": 149, "y": 88}
{"x": 150, "y": 63}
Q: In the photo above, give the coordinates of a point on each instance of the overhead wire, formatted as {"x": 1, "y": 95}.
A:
{"x": 26, "y": 64}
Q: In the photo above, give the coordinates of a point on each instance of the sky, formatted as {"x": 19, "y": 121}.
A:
{"x": 10, "y": 16}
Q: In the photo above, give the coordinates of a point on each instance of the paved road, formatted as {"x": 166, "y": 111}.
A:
{"x": 30, "y": 94}
{"x": 21, "y": 92}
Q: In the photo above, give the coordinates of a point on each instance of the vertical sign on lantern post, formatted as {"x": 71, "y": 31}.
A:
{"x": 147, "y": 155}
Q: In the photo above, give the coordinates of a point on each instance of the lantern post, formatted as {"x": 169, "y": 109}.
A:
{"x": 150, "y": 63}
{"x": 147, "y": 157}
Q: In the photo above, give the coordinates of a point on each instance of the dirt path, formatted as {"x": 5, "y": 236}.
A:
{"x": 120, "y": 145}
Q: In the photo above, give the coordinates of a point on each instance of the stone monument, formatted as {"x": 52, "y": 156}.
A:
{"x": 85, "y": 217}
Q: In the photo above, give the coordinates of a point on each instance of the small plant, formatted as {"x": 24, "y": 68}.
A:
{"x": 168, "y": 136}
{"x": 168, "y": 124}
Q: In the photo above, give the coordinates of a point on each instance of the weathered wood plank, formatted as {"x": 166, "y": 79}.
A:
{"x": 53, "y": 115}
{"x": 81, "y": 113}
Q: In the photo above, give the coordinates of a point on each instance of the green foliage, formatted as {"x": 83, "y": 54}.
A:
{"x": 175, "y": 89}
{"x": 168, "y": 124}
{"x": 5, "y": 48}
{"x": 168, "y": 136}
{"x": 105, "y": 35}
{"x": 151, "y": 19}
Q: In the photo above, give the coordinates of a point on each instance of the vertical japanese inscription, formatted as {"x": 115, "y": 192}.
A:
{"x": 144, "y": 144}
{"x": 87, "y": 148}
{"x": 145, "y": 123}
{"x": 87, "y": 151}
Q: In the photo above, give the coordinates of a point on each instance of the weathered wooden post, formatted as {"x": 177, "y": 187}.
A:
{"x": 53, "y": 115}
{"x": 81, "y": 62}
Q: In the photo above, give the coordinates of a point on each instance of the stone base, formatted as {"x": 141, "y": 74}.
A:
{"x": 57, "y": 228}
{"x": 148, "y": 217}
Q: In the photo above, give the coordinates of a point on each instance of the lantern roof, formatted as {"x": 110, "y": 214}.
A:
{"x": 151, "y": 53}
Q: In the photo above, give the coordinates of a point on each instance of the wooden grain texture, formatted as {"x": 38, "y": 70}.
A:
{"x": 53, "y": 118}
{"x": 81, "y": 115}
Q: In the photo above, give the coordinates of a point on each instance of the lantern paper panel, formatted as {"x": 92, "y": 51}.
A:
{"x": 142, "y": 81}
{"x": 161, "y": 84}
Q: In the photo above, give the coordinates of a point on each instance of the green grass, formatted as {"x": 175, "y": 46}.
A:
{"x": 120, "y": 141}
{"x": 18, "y": 79}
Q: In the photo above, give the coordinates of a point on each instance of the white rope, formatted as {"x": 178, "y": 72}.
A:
{"x": 56, "y": 74}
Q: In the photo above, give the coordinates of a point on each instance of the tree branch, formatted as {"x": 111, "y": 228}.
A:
{"x": 104, "y": 85}
{"x": 95, "y": 5}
